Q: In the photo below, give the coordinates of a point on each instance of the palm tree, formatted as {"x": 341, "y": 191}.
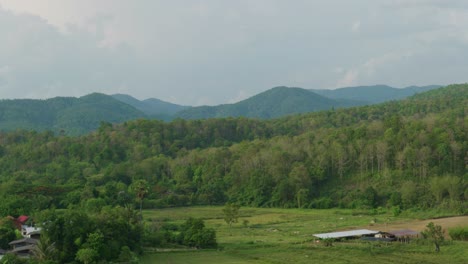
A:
{"x": 140, "y": 188}
{"x": 44, "y": 249}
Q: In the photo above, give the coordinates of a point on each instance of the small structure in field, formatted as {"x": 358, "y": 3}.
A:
{"x": 31, "y": 231}
{"x": 23, "y": 247}
{"x": 404, "y": 235}
{"x": 348, "y": 234}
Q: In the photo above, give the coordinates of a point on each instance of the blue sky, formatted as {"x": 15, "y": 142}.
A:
{"x": 197, "y": 52}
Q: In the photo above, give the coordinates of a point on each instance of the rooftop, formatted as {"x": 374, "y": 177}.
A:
{"x": 350, "y": 233}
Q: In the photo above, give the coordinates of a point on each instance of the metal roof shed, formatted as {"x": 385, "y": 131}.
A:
{"x": 350, "y": 233}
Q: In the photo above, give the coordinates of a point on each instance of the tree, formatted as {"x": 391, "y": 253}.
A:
{"x": 45, "y": 250}
{"x": 7, "y": 235}
{"x": 140, "y": 187}
{"x": 87, "y": 255}
{"x": 195, "y": 234}
{"x": 435, "y": 233}
{"x": 231, "y": 213}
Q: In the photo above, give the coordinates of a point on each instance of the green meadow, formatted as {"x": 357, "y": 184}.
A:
{"x": 264, "y": 235}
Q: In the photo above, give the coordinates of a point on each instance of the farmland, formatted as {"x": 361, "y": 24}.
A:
{"x": 285, "y": 236}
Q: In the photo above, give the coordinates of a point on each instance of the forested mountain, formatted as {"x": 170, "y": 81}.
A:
{"x": 375, "y": 93}
{"x": 69, "y": 115}
{"x": 276, "y": 102}
{"x": 402, "y": 154}
{"x": 78, "y": 116}
{"x": 152, "y": 107}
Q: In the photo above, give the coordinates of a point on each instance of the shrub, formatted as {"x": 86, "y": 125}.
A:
{"x": 195, "y": 234}
{"x": 459, "y": 233}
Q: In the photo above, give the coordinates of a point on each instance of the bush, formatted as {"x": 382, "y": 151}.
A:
{"x": 322, "y": 203}
{"x": 195, "y": 234}
{"x": 459, "y": 233}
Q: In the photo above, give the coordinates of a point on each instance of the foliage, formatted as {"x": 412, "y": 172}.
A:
{"x": 71, "y": 116}
{"x": 408, "y": 154}
{"x": 87, "y": 255}
{"x": 458, "y": 233}
{"x": 279, "y": 235}
{"x": 7, "y": 234}
{"x": 435, "y": 233}
{"x": 11, "y": 258}
{"x": 45, "y": 250}
{"x": 231, "y": 213}
{"x": 352, "y": 158}
{"x": 194, "y": 234}
{"x": 77, "y": 235}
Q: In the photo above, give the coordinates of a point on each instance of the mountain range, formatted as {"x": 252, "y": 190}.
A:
{"x": 373, "y": 94}
{"x": 76, "y": 116}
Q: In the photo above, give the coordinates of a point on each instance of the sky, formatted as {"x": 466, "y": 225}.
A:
{"x": 208, "y": 52}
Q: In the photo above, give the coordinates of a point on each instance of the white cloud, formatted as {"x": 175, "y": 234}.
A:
{"x": 370, "y": 68}
{"x": 355, "y": 28}
{"x": 350, "y": 78}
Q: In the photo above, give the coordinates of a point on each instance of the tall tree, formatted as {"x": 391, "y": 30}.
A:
{"x": 231, "y": 213}
{"x": 140, "y": 187}
{"x": 435, "y": 233}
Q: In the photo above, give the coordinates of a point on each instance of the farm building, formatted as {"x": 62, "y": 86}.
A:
{"x": 404, "y": 235}
{"x": 364, "y": 234}
{"x": 23, "y": 247}
{"x": 348, "y": 234}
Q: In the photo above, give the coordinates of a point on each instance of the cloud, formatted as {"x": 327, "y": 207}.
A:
{"x": 42, "y": 61}
{"x": 201, "y": 52}
{"x": 370, "y": 68}
{"x": 356, "y": 26}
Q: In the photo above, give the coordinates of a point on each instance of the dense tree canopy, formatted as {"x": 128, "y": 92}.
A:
{"x": 410, "y": 153}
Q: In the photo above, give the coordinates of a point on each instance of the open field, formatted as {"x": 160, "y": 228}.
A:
{"x": 285, "y": 236}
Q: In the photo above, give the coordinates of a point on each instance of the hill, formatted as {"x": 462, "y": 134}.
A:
{"x": 152, "y": 107}
{"x": 374, "y": 94}
{"x": 72, "y": 116}
{"x": 77, "y": 116}
{"x": 407, "y": 154}
{"x": 276, "y": 102}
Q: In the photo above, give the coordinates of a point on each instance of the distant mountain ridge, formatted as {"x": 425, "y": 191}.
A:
{"x": 276, "y": 102}
{"x": 152, "y": 107}
{"x": 70, "y": 115}
{"x": 374, "y": 94}
{"x": 77, "y": 116}
{"x": 282, "y": 101}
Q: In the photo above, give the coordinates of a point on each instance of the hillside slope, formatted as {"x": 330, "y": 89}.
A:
{"x": 276, "y": 102}
{"x": 408, "y": 154}
{"x": 152, "y": 107}
{"x": 72, "y": 116}
{"x": 375, "y": 93}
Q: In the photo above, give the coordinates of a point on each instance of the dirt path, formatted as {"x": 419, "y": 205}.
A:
{"x": 420, "y": 225}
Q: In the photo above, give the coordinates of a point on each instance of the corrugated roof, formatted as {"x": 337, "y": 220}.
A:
{"x": 404, "y": 232}
{"x": 26, "y": 240}
{"x": 350, "y": 233}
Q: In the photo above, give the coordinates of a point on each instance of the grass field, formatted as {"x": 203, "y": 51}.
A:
{"x": 285, "y": 236}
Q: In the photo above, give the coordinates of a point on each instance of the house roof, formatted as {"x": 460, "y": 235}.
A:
{"x": 22, "y": 218}
{"x": 404, "y": 232}
{"x": 350, "y": 233}
{"x": 26, "y": 240}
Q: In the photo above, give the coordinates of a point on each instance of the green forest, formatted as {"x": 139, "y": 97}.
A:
{"x": 403, "y": 155}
